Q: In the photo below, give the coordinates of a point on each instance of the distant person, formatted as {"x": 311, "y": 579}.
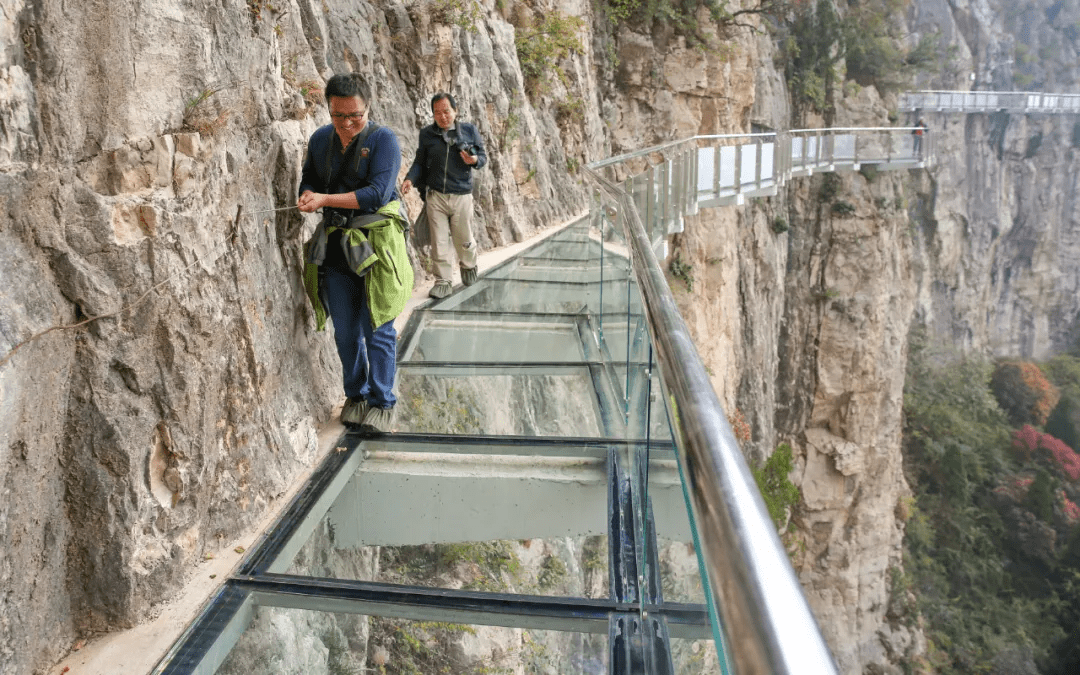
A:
{"x": 356, "y": 263}
{"x": 448, "y": 153}
{"x": 917, "y": 137}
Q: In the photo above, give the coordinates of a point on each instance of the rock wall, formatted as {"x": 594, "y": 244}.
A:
{"x": 998, "y": 216}
{"x": 161, "y": 382}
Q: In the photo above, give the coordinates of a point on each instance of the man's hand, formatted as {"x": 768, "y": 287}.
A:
{"x": 405, "y": 187}
{"x": 310, "y": 202}
{"x": 467, "y": 158}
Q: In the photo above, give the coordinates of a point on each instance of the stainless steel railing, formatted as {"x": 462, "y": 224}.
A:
{"x": 989, "y": 101}
{"x": 766, "y": 621}
{"x": 719, "y": 170}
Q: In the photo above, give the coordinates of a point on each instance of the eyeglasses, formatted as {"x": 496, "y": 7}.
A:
{"x": 348, "y": 117}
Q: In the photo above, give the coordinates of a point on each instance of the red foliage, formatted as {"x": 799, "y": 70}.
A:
{"x": 740, "y": 426}
{"x": 1016, "y": 488}
{"x": 1047, "y": 394}
{"x": 1030, "y": 440}
{"x": 1072, "y": 511}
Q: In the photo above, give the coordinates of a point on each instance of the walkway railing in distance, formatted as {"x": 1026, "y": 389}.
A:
{"x": 720, "y": 170}
{"x": 989, "y": 101}
{"x": 766, "y": 622}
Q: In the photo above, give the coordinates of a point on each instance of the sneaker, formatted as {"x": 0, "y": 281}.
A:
{"x": 468, "y": 275}
{"x": 379, "y": 419}
{"x": 354, "y": 410}
{"x": 441, "y": 289}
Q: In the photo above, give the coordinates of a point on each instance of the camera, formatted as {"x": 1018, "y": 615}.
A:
{"x": 467, "y": 148}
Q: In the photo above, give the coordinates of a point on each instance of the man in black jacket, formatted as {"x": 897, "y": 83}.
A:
{"x": 448, "y": 153}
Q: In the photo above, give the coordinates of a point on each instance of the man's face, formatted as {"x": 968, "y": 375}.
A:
{"x": 348, "y": 115}
{"x": 444, "y": 113}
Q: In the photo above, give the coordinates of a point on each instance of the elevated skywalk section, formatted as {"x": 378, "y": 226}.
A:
{"x": 1022, "y": 102}
{"x": 562, "y": 479}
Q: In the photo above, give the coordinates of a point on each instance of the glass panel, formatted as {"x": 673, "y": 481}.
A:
{"x": 486, "y": 338}
{"x": 507, "y": 518}
{"x": 564, "y": 567}
{"x": 540, "y": 401}
{"x": 706, "y": 163}
{"x": 616, "y": 329}
{"x": 749, "y": 164}
{"x": 509, "y": 295}
{"x": 767, "y": 152}
{"x": 564, "y": 250}
{"x": 727, "y": 167}
{"x": 844, "y": 146}
{"x": 539, "y": 269}
{"x": 680, "y": 579}
{"x": 287, "y": 641}
{"x": 694, "y": 657}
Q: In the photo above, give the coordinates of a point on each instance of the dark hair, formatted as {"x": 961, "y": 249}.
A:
{"x": 347, "y": 85}
{"x": 440, "y": 96}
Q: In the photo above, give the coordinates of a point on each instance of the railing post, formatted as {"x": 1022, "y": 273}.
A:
{"x": 716, "y": 171}
{"x": 757, "y": 163}
{"x": 738, "y": 169}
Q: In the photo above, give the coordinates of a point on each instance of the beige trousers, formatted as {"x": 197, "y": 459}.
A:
{"x": 449, "y": 218}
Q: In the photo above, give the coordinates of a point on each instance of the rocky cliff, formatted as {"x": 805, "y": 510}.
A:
{"x": 999, "y": 226}
{"x": 161, "y": 383}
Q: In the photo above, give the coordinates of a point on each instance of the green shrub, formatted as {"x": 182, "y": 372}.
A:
{"x": 776, "y": 488}
{"x": 463, "y": 13}
{"x": 1040, "y": 496}
{"x": 540, "y": 48}
{"x": 843, "y": 209}
{"x": 830, "y": 188}
{"x": 779, "y": 225}
{"x": 682, "y": 271}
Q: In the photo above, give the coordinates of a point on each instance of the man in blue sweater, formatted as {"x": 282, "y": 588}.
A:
{"x": 448, "y": 153}
{"x": 350, "y": 173}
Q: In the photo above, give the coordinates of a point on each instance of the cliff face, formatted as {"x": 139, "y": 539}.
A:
{"x": 998, "y": 218}
{"x": 132, "y": 134}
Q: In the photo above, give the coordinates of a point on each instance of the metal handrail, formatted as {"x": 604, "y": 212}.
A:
{"x": 981, "y": 100}
{"x": 763, "y": 612}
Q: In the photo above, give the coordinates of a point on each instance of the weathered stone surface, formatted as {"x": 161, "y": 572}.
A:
{"x": 999, "y": 234}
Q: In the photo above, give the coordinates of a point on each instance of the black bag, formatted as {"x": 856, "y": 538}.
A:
{"x": 421, "y": 232}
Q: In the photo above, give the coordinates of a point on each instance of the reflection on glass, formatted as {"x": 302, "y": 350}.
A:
{"x": 482, "y": 338}
{"x": 566, "y": 567}
{"x": 727, "y": 167}
{"x": 303, "y": 642}
{"x": 768, "y": 150}
{"x": 680, "y": 578}
{"x": 694, "y": 657}
{"x": 494, "y": 402}
{"x": 706, "y": 161}
{"x": 749, "y": 164}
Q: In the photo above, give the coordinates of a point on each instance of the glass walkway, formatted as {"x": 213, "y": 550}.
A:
{"x": 562, "y": 493}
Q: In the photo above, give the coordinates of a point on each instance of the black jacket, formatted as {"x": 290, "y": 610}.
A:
{"x": 438, "y": 164}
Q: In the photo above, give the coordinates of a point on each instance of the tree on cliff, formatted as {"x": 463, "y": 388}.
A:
{"x": 1023, "y": 392}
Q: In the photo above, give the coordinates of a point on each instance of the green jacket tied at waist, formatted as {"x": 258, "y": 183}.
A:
{"x": 374, "y": 249}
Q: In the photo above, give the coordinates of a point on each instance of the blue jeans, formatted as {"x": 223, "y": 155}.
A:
{"x": 368, "y": 355}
